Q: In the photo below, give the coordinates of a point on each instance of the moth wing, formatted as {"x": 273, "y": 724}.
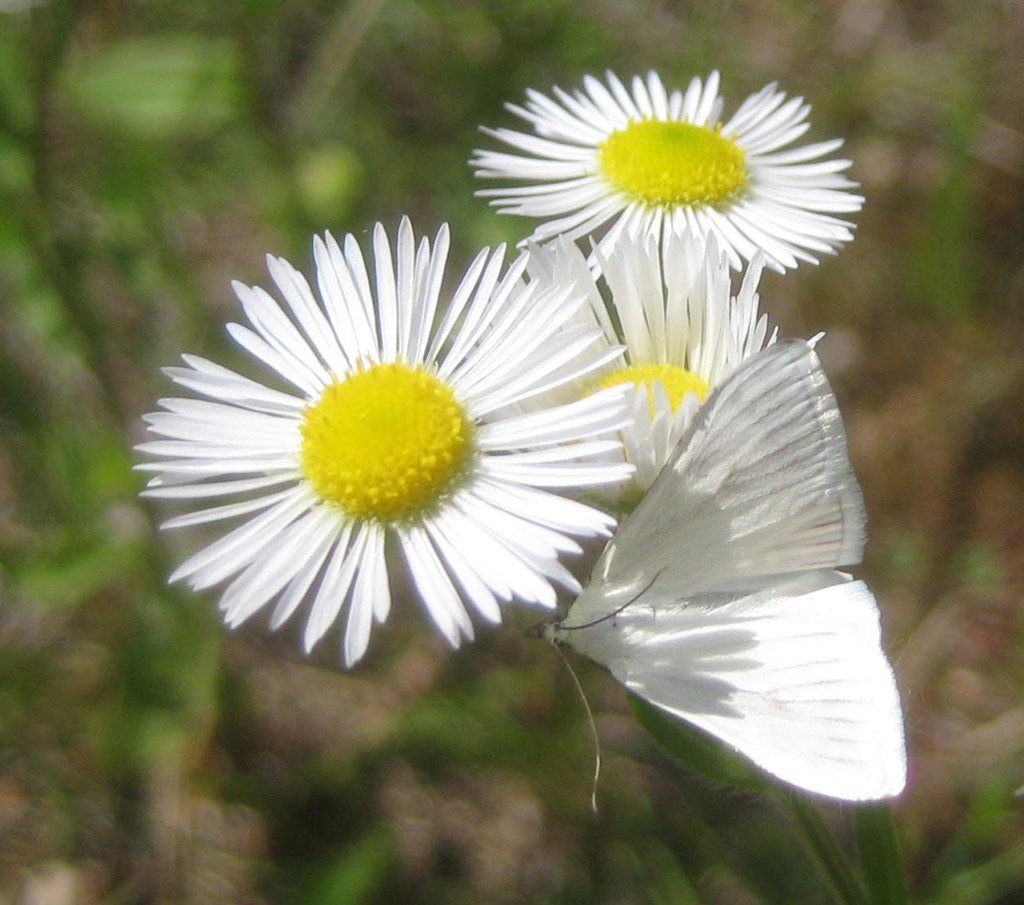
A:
{"x": 759, "y": 486}
{"x": 797, "y": 682}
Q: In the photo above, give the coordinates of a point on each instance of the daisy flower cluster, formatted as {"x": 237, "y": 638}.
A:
{"x": 447, "y": 428}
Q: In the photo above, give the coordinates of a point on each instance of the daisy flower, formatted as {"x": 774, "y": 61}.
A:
{"x": 650, "y": 162}
{"x": 670, "y": 306}
{"x": 402, "y": 431}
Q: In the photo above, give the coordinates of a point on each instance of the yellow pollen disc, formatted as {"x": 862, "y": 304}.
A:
{"x": 385, "y": 443}
{"x": 674, "y": 163}
{"x": 676, "y": 381}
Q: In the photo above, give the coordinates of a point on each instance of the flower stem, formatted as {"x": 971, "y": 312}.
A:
{"x": 846, "y": 885}
{"x": 880, "y": 858}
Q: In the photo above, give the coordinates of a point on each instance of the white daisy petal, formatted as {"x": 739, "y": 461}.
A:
{"x": 442, "y": 601}
{"x": 428, "y": 288}
{"x": 379, "y": 587}
{"x": 706, "y": 107}
{"x": 212, "y": 380}
{"x": 658, "y": 95}
{"x": 198, "y": 449}
{"x": 524, "y": 534}
{"x": 343, "y": 302}
{"x": 241, "y": 546}
{"x": 266, "y": 576}
{"x": 450, "y": 528}
{"x": 623, "y": 107}
{"x": 231, "y": 510}
{"x": 277, "y": 329}
{"x": 459, "y": 300}
{"x": 473, "y": 586}
{"x": 478, "y": 313}
{"x": 191, "y": 419}
{"x": 558, "y": 424}
{"x": 218, "y": 488}
{"x": 299, "y": 296}
{"x": 523, "y": 573}
{"x": 406, "y": 287}
{"x": 334, "y": 587}
{"x": 332, "y": 535}
{"x": 291, "y": 370}
{"x": 554, "y": 511}
{"x": 193, "y": 469}
{"x": 564, "y": 474}
{"x": 350, "y": 262}
{"x": 387, "y": 294}
{"x": 365, "y": 601}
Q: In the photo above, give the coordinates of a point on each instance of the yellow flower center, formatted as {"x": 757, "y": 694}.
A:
{"x": 674, "y": 163}
{"x": 385, "y": 443}
{"x": 676, "y": 381}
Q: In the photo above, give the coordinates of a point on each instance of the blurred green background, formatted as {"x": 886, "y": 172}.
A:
{"x": 150, "y": 151}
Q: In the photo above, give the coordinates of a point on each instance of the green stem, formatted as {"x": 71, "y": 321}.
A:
{"x": 880, "y": 858}
{"x": 846, "y": 885}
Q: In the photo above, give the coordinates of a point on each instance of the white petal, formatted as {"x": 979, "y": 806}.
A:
{"x": 341, "y": 567}
{"x": 434, "y": 586}
{"x": 293, "y": 553}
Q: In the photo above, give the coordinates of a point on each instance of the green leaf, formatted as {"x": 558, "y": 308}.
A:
{"x": 669, "y": 883}
{"x": 880, "y": 858}
{"x": 157, "y": 87}
{"x": 697, "y": 749}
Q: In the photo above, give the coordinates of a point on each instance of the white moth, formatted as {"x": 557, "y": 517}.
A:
{"x": 719, "y": 601}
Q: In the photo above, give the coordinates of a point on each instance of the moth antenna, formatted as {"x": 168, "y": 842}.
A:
{"x": 569, "y": 628}
{"x": 593, "y": 726}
